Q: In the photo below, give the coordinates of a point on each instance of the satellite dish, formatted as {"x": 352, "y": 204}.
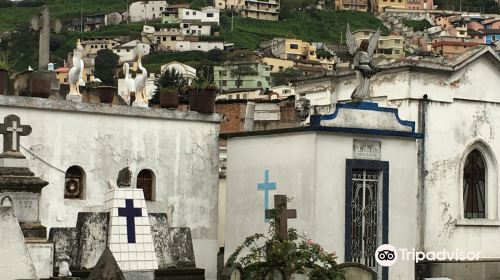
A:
{"x": 57, "y": 26}
{"x": 35, "y": 23}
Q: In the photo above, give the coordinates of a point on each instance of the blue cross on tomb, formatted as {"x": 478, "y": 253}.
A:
{"x": 130, "y": 213}
{"x": 266, "y": 187}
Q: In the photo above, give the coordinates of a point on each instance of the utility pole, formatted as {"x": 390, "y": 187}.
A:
{"x": 232, "y": 19}
{"x": 81, "y": 16}
{"x": 128, "y": 13}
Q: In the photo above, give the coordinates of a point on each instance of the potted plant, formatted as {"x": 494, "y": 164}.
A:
{"x": 203, "y": 93}
{"x": 105, "y": 65}
{"x": 172, "y": 83}
{"x": 169, "y": 98}
{"x": 6, "y": 65}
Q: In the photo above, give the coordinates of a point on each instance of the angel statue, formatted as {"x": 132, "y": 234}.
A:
{"x": 363, "y": 58}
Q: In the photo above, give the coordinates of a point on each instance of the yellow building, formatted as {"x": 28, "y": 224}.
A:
{"x": 291, "y": 49}
{"x": 391, "y": 46}
{"x": 395, "y": 4}
{"x": 277, "y": 64}
{"x": 93, "y": 45}
{"x": 63, "y": 72}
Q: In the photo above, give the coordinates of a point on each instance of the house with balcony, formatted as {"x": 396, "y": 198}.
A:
{"x": 146, "y": 10}
{"x": 185, "y": 15}
{"x": 226, "y": 80}
{"x": 291, "y": 49}
{"x": 390, "y": 46}
{"x": 164, "y": 39}
{"x": 261, "y": 9}
{"x": 88, "y": 23}
{"x": 354, "y": 5}
{"x": 452, "y": 47}
{"x": 171, "y": 13}
{"x": 129, "y": 51}
{"x": 393, "y": 4}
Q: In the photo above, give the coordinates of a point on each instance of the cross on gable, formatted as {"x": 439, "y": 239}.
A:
{"x": 12, "y": 131}
{"x": 266, "y": 187}
{"x": 281, "y": 214}
{"x": 130, "y": 213}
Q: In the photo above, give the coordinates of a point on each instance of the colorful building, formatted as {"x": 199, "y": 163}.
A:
{"x": 451, "y": 47}
{"x": 390, "y": 46}
{"x": 225, "y": 81}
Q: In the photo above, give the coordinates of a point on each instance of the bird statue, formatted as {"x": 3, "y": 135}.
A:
{"x": 363, "y": 58}
{"x": 129, "y": 84}
{"x": 141, "y": 95}
{"x": 81, "y": 82}
{"x": 75, "y": 71}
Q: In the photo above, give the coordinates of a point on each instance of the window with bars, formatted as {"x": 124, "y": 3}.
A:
{"x": 474, "y": 186}
{"x": 145, "y": 181}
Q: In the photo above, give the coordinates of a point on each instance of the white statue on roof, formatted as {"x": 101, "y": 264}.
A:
{"x": 363, "y": 58}
{"x": 141, "y": 95}
{"x": 76, "y": 71}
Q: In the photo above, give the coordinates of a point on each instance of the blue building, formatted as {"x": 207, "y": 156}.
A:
{"x": 491, "y": 35}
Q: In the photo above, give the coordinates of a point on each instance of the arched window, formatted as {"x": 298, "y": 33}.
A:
{"x": 146, "y": 182}
{"x": 74, "y": 183}
{"x": 474, "y": 191}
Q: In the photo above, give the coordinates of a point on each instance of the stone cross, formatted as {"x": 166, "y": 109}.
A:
{"x": 130, "y": 213}
{"x": 281, "y": 214}
{"x": 12, "y": 131}
{"x": 42, "y": 23}
{"x": 266, "y": 187}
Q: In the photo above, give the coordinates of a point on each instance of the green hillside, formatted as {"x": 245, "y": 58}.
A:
{"x": 12, "y": 17}
{"x": 313, "y": 26}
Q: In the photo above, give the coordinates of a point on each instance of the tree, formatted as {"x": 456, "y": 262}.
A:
{"x": 105, "y": 65}
{"x": 216, "y": 55}
{"x": 285, "y": 76}
{"x": 240, "y": 71}
{"x": 169, "y": 79}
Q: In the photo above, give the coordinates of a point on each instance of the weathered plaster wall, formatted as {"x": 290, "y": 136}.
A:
{"x": 310, "y": 168}
{"x": 179, "y": 147}
{"x": 464, "y": 109}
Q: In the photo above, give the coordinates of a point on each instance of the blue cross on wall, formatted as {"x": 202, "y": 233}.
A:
{"x": 130, "y": 213}
{"x": 266, "y": 187}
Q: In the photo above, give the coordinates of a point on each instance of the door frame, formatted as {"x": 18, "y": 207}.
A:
{"x": 383, "y": 167}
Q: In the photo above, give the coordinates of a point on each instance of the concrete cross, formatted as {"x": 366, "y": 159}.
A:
{"x": 266, "y": 187}
{"x": 130, "y": 213}
{"x": 12, "y": 131}
{"x": 281, "y": 214}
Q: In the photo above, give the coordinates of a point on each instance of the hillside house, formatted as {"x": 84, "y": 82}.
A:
{"x": 225, "y": 81}
{"x": 147, "y": 10}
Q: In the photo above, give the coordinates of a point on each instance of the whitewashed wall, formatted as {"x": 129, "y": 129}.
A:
{"x": 179, "y": 147}
{"x": 463, "y": 110}
{"x": 310, "y": 168}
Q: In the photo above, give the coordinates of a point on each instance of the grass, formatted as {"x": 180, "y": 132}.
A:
{"x": 11, "y": 18}
{"x": 313, "y": 26}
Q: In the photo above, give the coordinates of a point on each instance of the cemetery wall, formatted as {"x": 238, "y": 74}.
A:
{"x": 179, "y": 147}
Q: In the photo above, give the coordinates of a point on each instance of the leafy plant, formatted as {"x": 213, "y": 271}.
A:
{"x": 293, "y": 255}
{"x": 105, "y": 65}
{"x": 169, "y": 79}
{"x": 6, "y": 61}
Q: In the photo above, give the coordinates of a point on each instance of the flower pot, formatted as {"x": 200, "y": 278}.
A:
{"x": 4, "y": 80}
{"x": 106, "y": 94}
{"x": 40, "y": 83}
{"x": 202, "y": 101}
{"x": 169, "y": 100}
